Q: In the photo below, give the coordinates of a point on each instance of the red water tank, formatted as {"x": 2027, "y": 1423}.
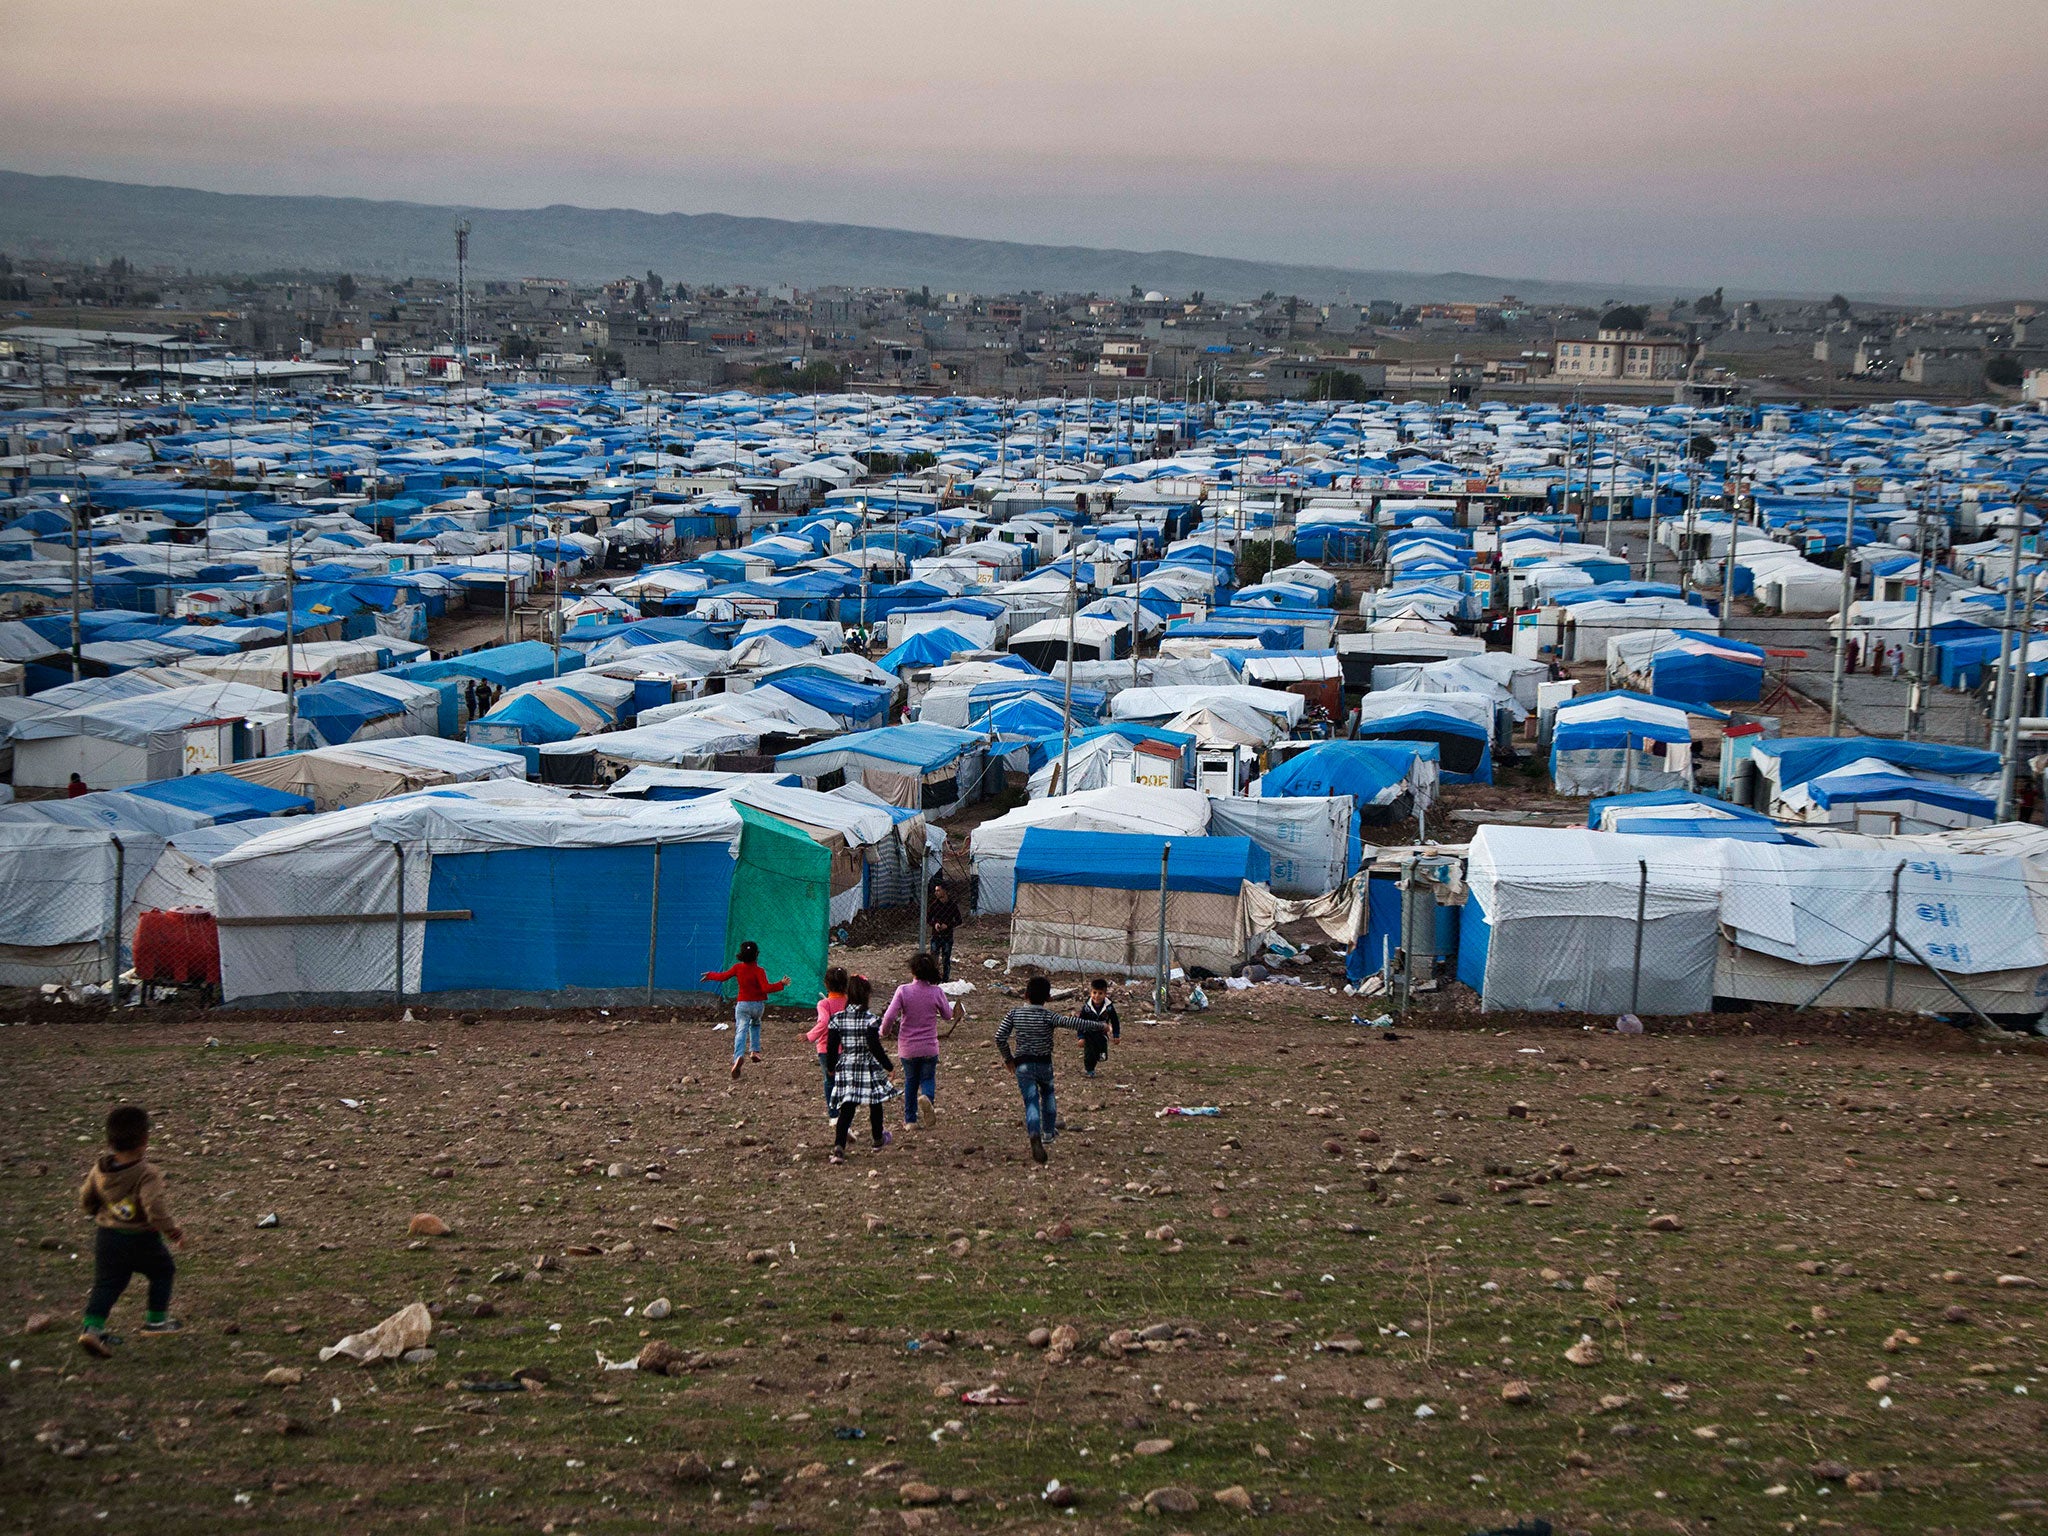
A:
{"x": 178, "y": 947}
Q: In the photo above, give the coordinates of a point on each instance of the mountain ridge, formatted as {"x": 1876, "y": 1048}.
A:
{"x": 78, "y": 218}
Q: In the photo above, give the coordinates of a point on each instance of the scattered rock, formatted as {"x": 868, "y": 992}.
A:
{"x": 1345, "y": 1345}
{"x": 269, "y": 1219}
{"x": 1063, "y": 1341}
{"x": 39, "y": 1322}
{"x": 760, "y": 1255}
{"x": 1585, "y": 1352}
{"x": 1367, "y": 1133}
{"x": 1234, "y": 1498}
{"x": 1518, "y": 1110}
{"x": 1152, "y": 1448}
{"x": 1829, "y": 1471}
{"x": 1614, "y": 1402}
{"x": 1955, "y": 1314}
{"x": 1517, "y": 1393}
{"x": 1038, "y": 1338}
{"x": 959, "y": 1247}
{"x": 1878, "y": 1383}
{"x": 810, "y": 1471}
{"x": 427, "y": 1225}
{"x": 692, "y": 1468}
{"x": 285, "y": 1424}
{"x": 2017, "y": 1282}
{"x": 919, "y": 1495}
{"x": 657, "y": 1309}
{"x": 662, "y": 1358}
{"x": 1578, "y": 1459}
{"x": 1865, "y": 1482}
{"x": 283, "y": 1376}
{"x": 1061, "y": 1496}
{"x": 424, "y": 1355}
{"x": 1172, "y": 1501}
{"x": 1666, "y": 1223}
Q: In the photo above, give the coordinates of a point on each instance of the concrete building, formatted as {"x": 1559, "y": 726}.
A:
{"x": 1622, "y": 355}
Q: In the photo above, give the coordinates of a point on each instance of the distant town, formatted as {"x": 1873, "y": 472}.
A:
{"x": 68, "y": 329}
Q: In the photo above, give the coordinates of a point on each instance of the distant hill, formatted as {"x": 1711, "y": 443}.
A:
{"x": 70, "y": 217}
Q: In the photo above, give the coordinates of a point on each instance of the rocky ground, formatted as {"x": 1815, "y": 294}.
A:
{"x": 1736, "y": 1273}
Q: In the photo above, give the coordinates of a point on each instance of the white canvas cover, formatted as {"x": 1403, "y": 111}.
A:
{"x": 1307, "y": 837}
{"x": 1560, "y": 909}
{"x": 57, "y": 901}
{"x": 1166, "y": 702}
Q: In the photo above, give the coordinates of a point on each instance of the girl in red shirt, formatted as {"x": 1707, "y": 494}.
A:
{"x": 754, "y": 987}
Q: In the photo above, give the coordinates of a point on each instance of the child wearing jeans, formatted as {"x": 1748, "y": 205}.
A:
{"x": 913, "y": 1016}
{"x": 1025, "y": 1040}
{"x": 753, "y": 987}
{"x": 124, "y": 1194}
{"x": 861, "y": 1070}
{"x": 830, "y": 1006}
{"x": 1099, "y": 1012}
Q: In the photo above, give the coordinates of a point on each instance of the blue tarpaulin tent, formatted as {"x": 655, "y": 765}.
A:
{"x": 926, "y": 648}
{"x": 1129, "y": 861}
{"x": 224, "y": 797}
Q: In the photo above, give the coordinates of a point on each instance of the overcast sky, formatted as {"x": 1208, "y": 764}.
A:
{"x": 1863, "y": 145}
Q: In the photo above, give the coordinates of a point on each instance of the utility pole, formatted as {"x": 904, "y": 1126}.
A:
{"x": 2009, "y": 769}
{"x": 462, "y": 297}
{"x": 1729, "y": 496}
{"x": 1842, "y": 622}
{"x": 77, "y": 637}
{"x": 1067, "y": 694}
{"x": 1923, "y": 585}
{"x": 291, "y": 636}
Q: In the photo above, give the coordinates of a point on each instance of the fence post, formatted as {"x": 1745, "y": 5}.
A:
{"x": 653, "y": 922}
{"x": 398, "y": 935}
{"x": 1159, "y": 956}
{"x": 1891, "y": 938}
{"x": 924, "y": 896}
{"x": 114, "y": 954}
{"x": 1635, "y": 978}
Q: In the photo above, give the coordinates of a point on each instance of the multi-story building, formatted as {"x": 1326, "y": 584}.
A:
{"x": 1622, "y": 355}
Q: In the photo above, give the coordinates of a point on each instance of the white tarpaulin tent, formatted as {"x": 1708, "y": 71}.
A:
{"x": 161, "y": 735}
{"x": 1307, "y": 837}
{"x": 1550, "y": 923}
{"x": 993, "y": 847}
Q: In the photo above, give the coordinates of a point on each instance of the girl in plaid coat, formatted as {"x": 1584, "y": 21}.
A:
{"x": 860, "y": 1069}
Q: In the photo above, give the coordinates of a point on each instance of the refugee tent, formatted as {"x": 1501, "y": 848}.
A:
{"x": 1869, "y": 795}
{"x": 676, "y": 741}
{"x": 1310, "y": 840}
{"x": 529, "y": 900}
{"x": 365, "y": 708}
{"x": 1388, "y": 781}
{"x": 1612, "y": 743}
{"x": 58, "y": 904}
{"x": 1686, "y": 666}
{"x": 1550, "y": 922}
{"x": 1973, "y": 902}
{"x": 1089, "y": 901}
{"x": 1043, "y": 643}
{"x": 919, "y": 766}
{"x": 1108, "y": 755}
{"x": 1783, "y": 763}
{"x": 1678, "y": 813}
{"x": 334, "y": 777}
{"x": 994, "y": 845}
{"x": 932, "y": 647}
{"x": 874, "y": 855}
{"x": 157, "y": 735}
{"x": 1460, "y": 724}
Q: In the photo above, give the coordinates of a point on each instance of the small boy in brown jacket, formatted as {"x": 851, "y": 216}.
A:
{"x": 125, "y": 1194}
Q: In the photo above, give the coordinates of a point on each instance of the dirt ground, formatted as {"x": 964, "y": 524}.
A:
{"x": 1351, "y": 1294}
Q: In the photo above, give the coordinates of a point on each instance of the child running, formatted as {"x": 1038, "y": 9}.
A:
{"x": 1098, "y": 1011}
{"x": 861, "y": 1070}
{"x": 124, "y": 1194}
{"x": 913, "y": 1016}
{"x": 1025, "y": 1039}
{"x": 753, "y": 987}
{"x": 830, "y": 1006}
